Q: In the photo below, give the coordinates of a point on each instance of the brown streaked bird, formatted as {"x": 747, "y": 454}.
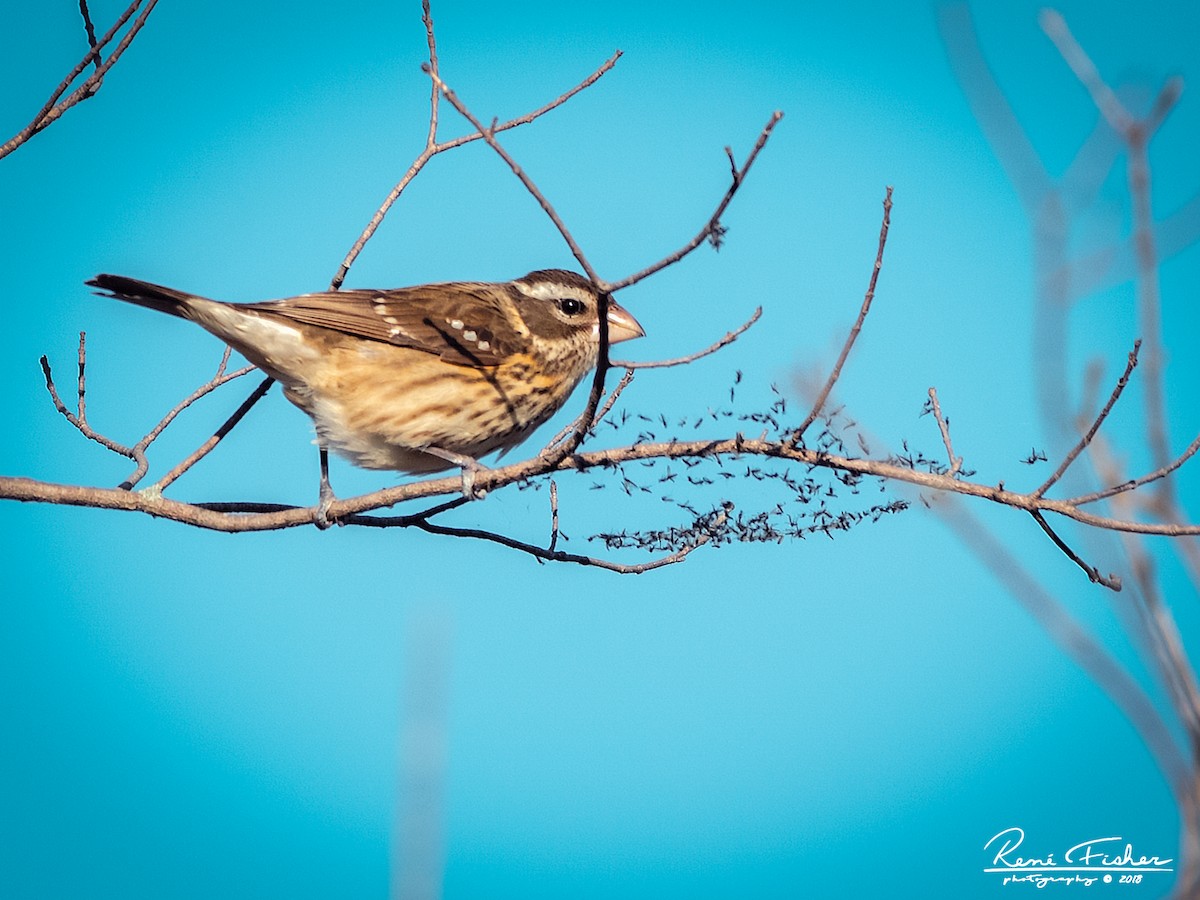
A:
{"x": 417, "y": 379}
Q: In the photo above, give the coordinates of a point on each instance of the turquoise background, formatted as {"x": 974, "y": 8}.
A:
{"x": 189, "y": 714}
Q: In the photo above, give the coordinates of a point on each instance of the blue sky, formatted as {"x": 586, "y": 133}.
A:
{"x": 190, "y": 714}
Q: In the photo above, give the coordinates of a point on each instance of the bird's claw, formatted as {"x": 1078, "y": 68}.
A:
{"x": 470, "y": 466}
{"x": 321, "y": 517}
{"x": 469, "y": 472}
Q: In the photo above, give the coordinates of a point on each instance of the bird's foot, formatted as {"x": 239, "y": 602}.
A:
{"x": 470, "y": 466}
{"x": 321, "y": 516}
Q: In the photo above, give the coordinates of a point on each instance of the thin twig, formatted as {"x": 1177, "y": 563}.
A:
{"x": 823, "y": 396}
{"x": 137, "y": 452}
{"x": 692, "y": 357}
{"x": 944, "y": 426}
{"x": 434, "y": 96}
{"x": 204, "y": 449}
{"x": 140, "y": 448}
{"x": 599, "y": 414}
{"x": 712, "y": 228}
{"x": 405, "y": 521}
{"x": 433, "y": 148}
{"x": 489, "y": 135}
{"x": 562, "y": 556}
{"x": 553, "y": 515}
{"x": 79, "y": 420}
{"x": 81, "y": 378}
{"x": 1112, "y": 581}
{"x": 733, "y": 166}
{"x": 52, "y": 109}
{"x": 90, "y": 29}
{"x": 616, "y": 392}
{"x": 220, "y": 377}
{"x": 1138, "y": 482}
{"x": 537, "y": 113}
{"x": 1091, "y": 432}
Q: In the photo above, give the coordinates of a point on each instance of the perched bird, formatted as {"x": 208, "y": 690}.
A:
{"x": 416, "y": 379}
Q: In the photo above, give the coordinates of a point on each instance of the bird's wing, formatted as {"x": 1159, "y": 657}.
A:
{"x": 465, "y": 324}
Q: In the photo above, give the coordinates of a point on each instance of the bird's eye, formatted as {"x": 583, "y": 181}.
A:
{"x": 570, "y": 306}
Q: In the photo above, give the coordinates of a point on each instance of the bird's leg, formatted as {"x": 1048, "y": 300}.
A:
{"x": 469, "y": 465}
{"x": 321, "y": 519}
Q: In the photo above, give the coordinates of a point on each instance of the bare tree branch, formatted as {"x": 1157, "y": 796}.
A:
{"x": 712, "y": 230}
{"x": 823, "y": 396}
{"x": 955, "y": 462}
{"x": 137, "y": 452}
{"x": 259, "y": 517}
{"x": 1091, "y": 432}
{"x": 1112, "y": 582}
{"x": 1138, "y": 482}
{"x": 208, "y": 446}
{"x": 433, "y": 147}
{"x": 599, "y": 414}
{"x": 418, "y": 833}
{"x": 79, "y": 418}
{"x": 489, "y": 135}
{"x": 53, "y": 108}
{"x": 729, "y": 338}
{"x": 561, "y": 556}
{"x": 553, "y": 515}
{"x": 1055, "y": 27}
{"x": 991, "y": 108}
{"x": 90, "y": 29}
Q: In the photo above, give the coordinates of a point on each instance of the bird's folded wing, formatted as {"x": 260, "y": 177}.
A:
{"x": 463, "y": 324}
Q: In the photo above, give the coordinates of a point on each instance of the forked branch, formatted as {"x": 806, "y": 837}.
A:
{"x": 137, "y": 452}
{"x": 55, "y": 106}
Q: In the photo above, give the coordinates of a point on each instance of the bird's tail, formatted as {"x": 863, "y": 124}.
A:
{"x": 143, "y": 293}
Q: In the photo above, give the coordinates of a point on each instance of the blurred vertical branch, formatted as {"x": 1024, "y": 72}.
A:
{"x": 1055, "y": 208}
{"x": 418, "y": 840}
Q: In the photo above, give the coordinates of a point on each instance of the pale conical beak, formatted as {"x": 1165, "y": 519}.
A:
{"x": 621, "y": 325}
